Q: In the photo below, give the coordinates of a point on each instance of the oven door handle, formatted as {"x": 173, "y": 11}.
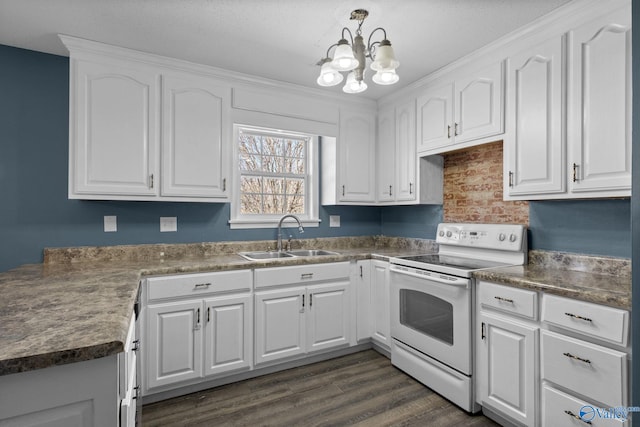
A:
{"x": 455, "y": 281}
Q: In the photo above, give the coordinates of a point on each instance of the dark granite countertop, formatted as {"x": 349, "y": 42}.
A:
{"x": 78, "y": 307}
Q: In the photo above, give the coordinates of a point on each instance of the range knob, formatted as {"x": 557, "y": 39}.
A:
{"x": 441, "y": 233}
{"x": 449, "y": 233}
{"x": 513, "y": 238}
{"x": 501, "y": 237}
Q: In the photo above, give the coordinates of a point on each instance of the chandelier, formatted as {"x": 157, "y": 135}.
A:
{"x": 352, "y": 58}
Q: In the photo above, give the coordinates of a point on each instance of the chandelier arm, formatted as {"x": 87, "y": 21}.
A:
{"x": 329, "y": 48}
{"x": 369, "y": 45}
{"x": 350, "y": 34}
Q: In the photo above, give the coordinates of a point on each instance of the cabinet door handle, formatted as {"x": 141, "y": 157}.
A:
{"x": 510, "y": 179}
{"x": 410, "y": 188}
{"x": 575, "y": 172}
{"x": 455, "y": 131}
{"x": 343, "y": 190}
{"x": 224, "y": 184}
{"x": 575, "y": 316}
{"x": 449, "y": 131}
{"x": 310, "y": 300}
{"x": 151, "y": 181}
{"x": 571, "y": 414}
{"x": 136, "y": 345}
{"x": 504, "y": 299}
{"x": 208, "y": 314}
{"x": 360, "y": 271}
{"x": 390, "y": 192}
{"x": 302, "y": 300}
{"x": 202, "y": 285}
{"x": 136, "y": 393}
{"x": 571, "y": 356}
{"x": 197, "y": 325}
{"x": 483, "y": 333}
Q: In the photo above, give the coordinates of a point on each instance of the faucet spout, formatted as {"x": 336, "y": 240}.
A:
{"x": 300, "y": 228}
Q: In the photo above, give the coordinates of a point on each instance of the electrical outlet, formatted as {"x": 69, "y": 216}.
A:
{"x": 110, "y": 223}
{"x": 168, "y": 224}
{"x": 334, "y": 220}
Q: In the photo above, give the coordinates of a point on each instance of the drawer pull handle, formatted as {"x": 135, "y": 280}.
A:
{"x": 571, "y": 414}
{"x": 575, "y": 316}
{"x": 306, "y": 275}
{"x": 202, "y": 285}
{"x": 504, "y": 299}
{"x": 571, "y": 356}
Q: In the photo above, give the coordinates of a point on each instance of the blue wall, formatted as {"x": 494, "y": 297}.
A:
{"x": 35, "y": 212}
{"x": 34, "y": 209}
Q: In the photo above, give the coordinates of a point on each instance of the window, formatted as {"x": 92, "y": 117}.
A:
{"x": 275, "y": 175}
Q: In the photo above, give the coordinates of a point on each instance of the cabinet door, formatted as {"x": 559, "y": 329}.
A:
{"x": 362, "y": 286}
{"x": 435, "y": 118}
{"x": 228, "y": 334}
{"x": 405, "y": 189}
{"x": 600, "y": 104}
{"x": 280, "y": 323}
{"x": 114, "y": 130}
{"x": 380, "y": 302}
{"x": 386, "y": 153}
{"x": 479, "y": 104}
{"x": 357, "y": 156}
{"x": 536, "y": 149}
{"x": 174, "y": 342}
{"x": 196, "y": 137}
{"x": 506, "y": 367}
{"x": 328, "y": 316}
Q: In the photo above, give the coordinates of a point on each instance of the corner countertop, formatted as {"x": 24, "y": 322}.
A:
{"x": 54, "y": 314}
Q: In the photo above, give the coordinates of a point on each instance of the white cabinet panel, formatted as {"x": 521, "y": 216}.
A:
{"x": 280, "y": 323}
{"x": 386, "y": 155}
{"x": 362, "y": 285}
{"x": 435, "y": 112}
{"x": 357, "y": 156}
{"x": 195, "y": 138}
{"x": 600, "y": 103}
{"x": 175, "y": 342}
{"x": 536, "y": 149}
{"x": 328, "y": 316}
{"x": 405, "y": 158}
{"x": 228, "y": 339}
{"x": 114, "y": 129}
{"x": 380, "y": 300}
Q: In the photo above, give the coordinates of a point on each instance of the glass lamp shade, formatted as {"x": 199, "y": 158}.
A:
{"x": 385, "y": 59}
{"x": 354, "y": 86}
{"x": 343, "y": 58}
{"x": 388, "y": 77}
{"x": 328, "y": 75}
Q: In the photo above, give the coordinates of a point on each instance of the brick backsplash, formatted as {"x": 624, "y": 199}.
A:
{"x": 473, "y": 188}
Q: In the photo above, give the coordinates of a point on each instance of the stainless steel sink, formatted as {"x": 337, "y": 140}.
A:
{"x": 311, "y": 252}
{"x": 260, "y": 255}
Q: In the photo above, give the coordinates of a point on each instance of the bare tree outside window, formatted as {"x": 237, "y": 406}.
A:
{"x": 273, "y": 172}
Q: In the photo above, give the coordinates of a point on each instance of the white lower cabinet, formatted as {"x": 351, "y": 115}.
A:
{"x": 193, "y": 331}
{"x": 362, "y": 288}
{"x": 507, "y": 367}
{"x": 310, "y": 314}
{"x": 380, "y": 300}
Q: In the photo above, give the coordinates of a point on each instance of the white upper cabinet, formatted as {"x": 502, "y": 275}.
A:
{"x": 535, "y": 153}
{"x": 386, "y": 154}
{"x": 357, "y": 156}
{"x": 464, "y": 113}
{"x": 113, "y": 129}
{"x": 195, "y": 137}
{"x": 141, "y": 129}
{"x": 405, "y": 158}
{"x": 600, "y": 94}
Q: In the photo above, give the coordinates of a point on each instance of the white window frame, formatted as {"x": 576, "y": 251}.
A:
{"x": 312, "y": 200}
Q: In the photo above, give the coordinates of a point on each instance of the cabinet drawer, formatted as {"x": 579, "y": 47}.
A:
{"x": 560, "y": 409}
{"x": 189, "y": 285}
{"x": 594, "y": 371}
{"x": 606, "y": 323}
{"x": 277, "y": 276}
{"x": 506, "y": 298}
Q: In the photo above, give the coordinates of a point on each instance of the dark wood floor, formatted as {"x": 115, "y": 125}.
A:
{"x": 359, "y": 389}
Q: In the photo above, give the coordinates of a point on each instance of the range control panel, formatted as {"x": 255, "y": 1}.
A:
{"x": 506, "y": 237}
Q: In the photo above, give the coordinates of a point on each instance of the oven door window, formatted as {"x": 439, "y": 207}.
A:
{"x": 427, "y": 314}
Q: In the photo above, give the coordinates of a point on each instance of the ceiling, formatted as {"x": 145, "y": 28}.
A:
{"x": 277, "y": 39}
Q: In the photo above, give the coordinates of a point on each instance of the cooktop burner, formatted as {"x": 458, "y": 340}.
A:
{"x": 450, "y": 261}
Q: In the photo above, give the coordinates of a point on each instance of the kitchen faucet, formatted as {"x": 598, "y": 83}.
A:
{"x": 300, "y": 228}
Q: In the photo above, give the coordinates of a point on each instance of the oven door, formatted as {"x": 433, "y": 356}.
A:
{"x": 433, "y": 315}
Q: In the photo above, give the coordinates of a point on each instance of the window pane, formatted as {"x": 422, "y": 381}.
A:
{"x": 250, "y": 184}
{"x": 250, "y": 204}
{"x": 250, "y": 143}
{"x": 273, "y": 204}
{"x": 295, "y": 204}
{"x": 295, "y": 166}
{"x": 294, "y": 148}
{"x": 272, "y": 164}
{"x": 295, "y": 186}
{"x": 249, "y": 162}
{"x": 272, "y": 146}
{"x": 273, "y": 186}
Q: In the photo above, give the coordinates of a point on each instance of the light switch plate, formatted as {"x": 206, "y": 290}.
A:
{"x": 334, "y": 220}
{"x": 110, "y": 223}
{"x": 168, "y": 224}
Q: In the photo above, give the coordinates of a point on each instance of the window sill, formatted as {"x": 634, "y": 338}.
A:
{"x": 237, "y": 224}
